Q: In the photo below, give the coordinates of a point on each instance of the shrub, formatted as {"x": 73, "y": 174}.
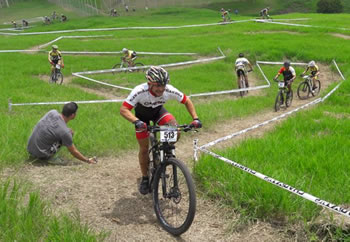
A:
{"x": 329, "y": 6}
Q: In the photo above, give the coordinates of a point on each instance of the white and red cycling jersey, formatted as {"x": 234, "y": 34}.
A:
{"x": 142, "y": 95}
{"x": 287, "y": 74}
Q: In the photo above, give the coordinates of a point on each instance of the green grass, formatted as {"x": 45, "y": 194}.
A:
{"x": 112, "y": 134}
{"x": 25, "y": 217}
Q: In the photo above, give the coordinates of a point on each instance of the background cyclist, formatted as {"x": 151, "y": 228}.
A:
{"x": 55, "y": 57}
{"x": 288, "y": 75}
{"x": 148, "y": 100}
{"x": 265, "y": 13}
{"x": 240, "y": 67}
{"x": 314, "y": 72}
{"x": 129, "y": 56}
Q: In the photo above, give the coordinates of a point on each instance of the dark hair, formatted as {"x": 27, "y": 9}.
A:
{"x": 69, "y": 109}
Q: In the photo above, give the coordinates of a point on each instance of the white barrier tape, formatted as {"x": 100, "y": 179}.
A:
{"x": 266, "y": 79}
{"x": 289, "y": 24}
{"x": 144, "y": 67}
{"x": 125, "y": 28}
{"x": 285, "y": 186}
{"x": 260, "y": 124}
{"x": 64, "y": 102}
{"x": 52, "y": 41}
{"x": 103, "y": 83}
{"x": 228, "y": 91}
{"x": 301, "y": 25}
{"x": 72, "y": 37}
{"x": 340, "y": 73}
{"x": 281, "y": 63}
{"x": 15, "y": 51}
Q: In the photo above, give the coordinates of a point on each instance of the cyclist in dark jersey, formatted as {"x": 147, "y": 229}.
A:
{"x": 148, "y": 100}
{"x": 288, "y": 74}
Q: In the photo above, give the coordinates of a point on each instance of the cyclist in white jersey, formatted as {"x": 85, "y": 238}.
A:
{"x": 148, "y": 100}
{"x": 240, "y": 67}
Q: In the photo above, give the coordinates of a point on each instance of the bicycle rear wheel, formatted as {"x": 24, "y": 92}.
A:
{"x": 118, "y": 65}
{"x": 317, "y": 87}
{"x": 278, "y": 101}
{"x": 303, "y": 90}
{"x": 242, "y": 84}
{"x": 174, "y": 196}
{"x": 59, "y": 78}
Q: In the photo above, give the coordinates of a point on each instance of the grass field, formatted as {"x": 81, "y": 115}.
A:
{"x": 307, "y": 151}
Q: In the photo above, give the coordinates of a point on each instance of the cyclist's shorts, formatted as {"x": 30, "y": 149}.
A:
{"x": 55, "y": 61}
{"x": 240, "y": 72}
{"x": 158, "y": 115}
{"x": 313, "y": 74}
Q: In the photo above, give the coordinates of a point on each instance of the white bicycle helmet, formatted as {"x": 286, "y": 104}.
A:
{"x": 158, "y": 75}
{"x": 124, "y": 50}
{"x": 55, "y": 47}
{"x": 311, "y": 64}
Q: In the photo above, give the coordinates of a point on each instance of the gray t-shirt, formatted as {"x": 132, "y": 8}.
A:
{"x": 48, "y": 135}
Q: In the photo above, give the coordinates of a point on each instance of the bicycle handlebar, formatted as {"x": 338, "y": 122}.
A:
{"x": 184, "y": 127}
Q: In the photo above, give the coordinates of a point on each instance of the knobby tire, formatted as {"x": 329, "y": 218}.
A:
{"x": 242, "y": 85}
{"x": 318, "y": 88}
{"x": 278, "y": 101}
{"x": 183, "y": 200}
{"x": 303, "y": 90}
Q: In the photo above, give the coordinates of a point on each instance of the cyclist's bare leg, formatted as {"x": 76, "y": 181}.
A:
{"x": 143, "y": 155}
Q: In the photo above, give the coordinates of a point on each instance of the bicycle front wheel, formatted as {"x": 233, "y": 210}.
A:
{"x": 139, "y": 64}
{"x": 278, "y": 101}
{"x": 118, "y": 65}
{"x": 303, "y": 90}
{"x": 174, "y": 196}
{"x": 316, "y": 88}
{"x": 59, "y": 78}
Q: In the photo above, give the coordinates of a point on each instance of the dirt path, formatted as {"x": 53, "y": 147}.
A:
{"x": 107, "y": 199}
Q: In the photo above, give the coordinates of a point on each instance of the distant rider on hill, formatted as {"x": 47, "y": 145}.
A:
{"x": 129, "y": 56}
{"x": 265, "y": 13}
{"x": 240, "y": 67}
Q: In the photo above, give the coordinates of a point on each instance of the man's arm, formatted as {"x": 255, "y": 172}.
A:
{"x": 190, "y": 108}
{"x": 75, "y": 152}
{"x": 49, "y": 58}
{"x": 127, "y": 114}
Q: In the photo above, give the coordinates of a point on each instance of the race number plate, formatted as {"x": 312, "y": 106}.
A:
{"x": 168, "y": 136}
{"x": 58, "y": 66}
{"x": 281, "y": 84}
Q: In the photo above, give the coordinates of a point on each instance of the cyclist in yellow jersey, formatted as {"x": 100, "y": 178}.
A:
{"x": 55, "y": 57}
{"x": 129, "y": 56}
{"x": 314, "y": 71}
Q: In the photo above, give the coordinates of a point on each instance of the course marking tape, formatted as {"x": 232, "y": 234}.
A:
{"x": 300, "y": 25}
{"x": 126, "y": 28}
{"x": 259, "y": 125}
{"x": 72, "y": 37}
{"x": 10, "y": 104}
{"x": 280, "y": 184}
{"x": 103, "y": 83}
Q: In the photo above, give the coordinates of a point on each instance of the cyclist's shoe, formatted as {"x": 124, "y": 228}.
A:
{"x": 144, "y": 185}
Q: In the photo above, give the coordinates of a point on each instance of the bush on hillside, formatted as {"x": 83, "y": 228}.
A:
{"x": 330, "y": 6}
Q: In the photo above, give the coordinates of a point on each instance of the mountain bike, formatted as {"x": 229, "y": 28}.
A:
{"x": 242, "y": 78}
{"x": 56, "y": 75}
{"x": 283, "y": 95}
{"x": 125, "y": 64}
{"x": 170, "y": 181}
{"x": 307, "y": 87}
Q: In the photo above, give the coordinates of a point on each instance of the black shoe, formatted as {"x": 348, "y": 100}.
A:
{"x": 144, "y": 185}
